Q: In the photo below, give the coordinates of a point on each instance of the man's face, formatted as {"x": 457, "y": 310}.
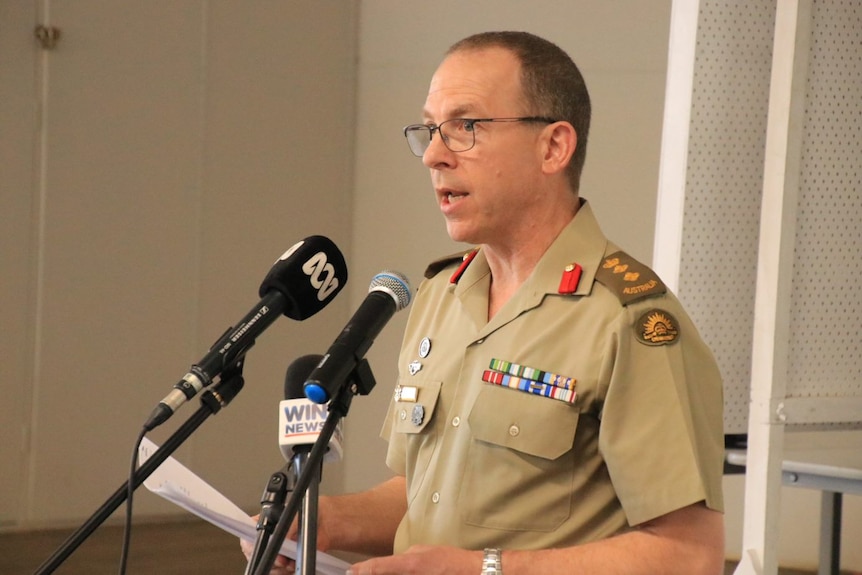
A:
{"x": 485, "y": 193}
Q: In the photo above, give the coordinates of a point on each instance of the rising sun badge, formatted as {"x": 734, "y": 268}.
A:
{"x": 657, "y": 327}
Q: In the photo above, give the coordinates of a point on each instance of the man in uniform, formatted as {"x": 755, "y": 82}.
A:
{"x": 556, "y": 410}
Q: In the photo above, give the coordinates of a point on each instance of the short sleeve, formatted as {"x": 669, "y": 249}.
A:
{"x": 661, "y": 431}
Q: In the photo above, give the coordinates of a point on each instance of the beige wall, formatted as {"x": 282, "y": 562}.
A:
{"x": 185, "y": 146}
{"x": 155, "y": 164}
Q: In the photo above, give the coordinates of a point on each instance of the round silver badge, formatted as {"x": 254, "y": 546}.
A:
{"x": 424, "y": 347}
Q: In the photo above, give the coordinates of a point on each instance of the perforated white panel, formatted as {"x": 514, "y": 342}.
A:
{"x": 724, "y": 186}
{"x": 826, "y": 314}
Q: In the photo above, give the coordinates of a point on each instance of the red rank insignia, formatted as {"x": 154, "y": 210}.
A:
{"x": 463, "y": 267}
{"x": 570, "y": 279}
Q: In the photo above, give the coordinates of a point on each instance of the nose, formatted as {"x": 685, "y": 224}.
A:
{"x": 437, "y": 155}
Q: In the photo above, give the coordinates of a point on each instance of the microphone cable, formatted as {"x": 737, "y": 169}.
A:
{"x": 130, "y": 493}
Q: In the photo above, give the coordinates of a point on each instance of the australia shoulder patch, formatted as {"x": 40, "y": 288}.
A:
{"x": 657, "y": 327}
{"x": 628, "y": 279}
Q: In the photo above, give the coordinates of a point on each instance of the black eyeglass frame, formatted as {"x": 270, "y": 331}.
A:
{"x": 469, "y": 122}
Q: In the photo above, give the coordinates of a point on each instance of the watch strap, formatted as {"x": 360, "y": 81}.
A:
{"x": 492, "y": 562}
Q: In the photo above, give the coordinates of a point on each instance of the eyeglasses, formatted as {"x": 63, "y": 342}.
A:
{"x": 458, "y": 134}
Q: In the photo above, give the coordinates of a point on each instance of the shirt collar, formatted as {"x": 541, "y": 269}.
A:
{"x": 580, "y": 242}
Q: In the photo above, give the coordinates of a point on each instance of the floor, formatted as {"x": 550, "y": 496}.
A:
{"x": 166, "y": 549}
{"x": 187, "y": 548}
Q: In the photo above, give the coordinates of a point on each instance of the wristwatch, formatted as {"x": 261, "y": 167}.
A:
{"x": 492, "y": 562}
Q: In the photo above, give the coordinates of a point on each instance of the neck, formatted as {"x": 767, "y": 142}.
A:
{"x": 513, "y": 261}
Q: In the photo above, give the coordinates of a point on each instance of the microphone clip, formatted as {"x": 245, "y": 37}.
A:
{"x": 360, "y": 382}
{"x": 273, "y": 498}
{"x": 229, "y": 385}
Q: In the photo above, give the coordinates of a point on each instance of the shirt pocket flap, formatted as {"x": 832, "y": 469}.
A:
{"x": 532, "y": 424}
{"x": 413, "y": 417}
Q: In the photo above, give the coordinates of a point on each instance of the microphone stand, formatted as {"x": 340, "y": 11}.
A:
{"x": 306, "y": 557}
{"x": 212, "y": 401}
{"x": 361, "y": 382}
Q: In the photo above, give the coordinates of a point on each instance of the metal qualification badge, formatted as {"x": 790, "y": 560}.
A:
{"x": 418, "y": 415}
{"x": 414, "y": 367}
{"x": 424, "y": 347}
{"x": 409, "y": 393}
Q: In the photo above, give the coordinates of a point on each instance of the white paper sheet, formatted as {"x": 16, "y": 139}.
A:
{"x": 176, "y": 483}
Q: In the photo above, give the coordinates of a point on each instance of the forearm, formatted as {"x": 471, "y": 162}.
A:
{"x": 366, "y": 522}
{"x": 689, "y": 547}
{"x": 689, "y": 541}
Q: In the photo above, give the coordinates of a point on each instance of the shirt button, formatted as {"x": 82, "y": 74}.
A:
{"x": 514, "y": 430}
{"x": 456, "y": 421}
{"x": 403, "y": 414}
{"x": 435, "y": 497}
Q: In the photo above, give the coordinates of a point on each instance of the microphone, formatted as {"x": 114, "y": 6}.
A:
{"x": 299, "y": 419}
{"x": 300, "y": 283}
{"x": 299, "y": 424}
{"x": 389, "y": 292}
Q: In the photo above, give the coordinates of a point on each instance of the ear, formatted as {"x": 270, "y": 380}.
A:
{"x": 561, "y": 140}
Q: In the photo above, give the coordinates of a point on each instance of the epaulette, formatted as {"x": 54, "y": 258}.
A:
{"x": 628, "y": 279}
{"x": 438, "y": 265}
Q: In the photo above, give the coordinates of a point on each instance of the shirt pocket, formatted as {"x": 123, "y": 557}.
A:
{"x": 419, "y": 440}
{"x": 520, "y": 468}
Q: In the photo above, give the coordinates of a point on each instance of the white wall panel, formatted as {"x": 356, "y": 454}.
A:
{"x": 723, "y": 187}
{"x": 826, "y": 315}
{"x": 788, "y": 263}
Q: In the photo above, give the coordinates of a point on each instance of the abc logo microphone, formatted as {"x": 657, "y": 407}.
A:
{"x": 300, "y": 283}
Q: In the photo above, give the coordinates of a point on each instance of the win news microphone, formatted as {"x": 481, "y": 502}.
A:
{"x": 300, "y": 419}
{"x": 389, "y": 292}
{"x": 300, "y": 283}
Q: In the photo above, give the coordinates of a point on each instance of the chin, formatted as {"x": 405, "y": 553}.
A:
{"x": 465, "y": 231}
{"x": 459, "y": 234}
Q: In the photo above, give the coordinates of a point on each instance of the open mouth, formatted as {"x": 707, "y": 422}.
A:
{"x": 452, "y": 197}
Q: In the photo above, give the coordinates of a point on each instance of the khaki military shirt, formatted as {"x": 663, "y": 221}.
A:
{"x": 492, "y": 465}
